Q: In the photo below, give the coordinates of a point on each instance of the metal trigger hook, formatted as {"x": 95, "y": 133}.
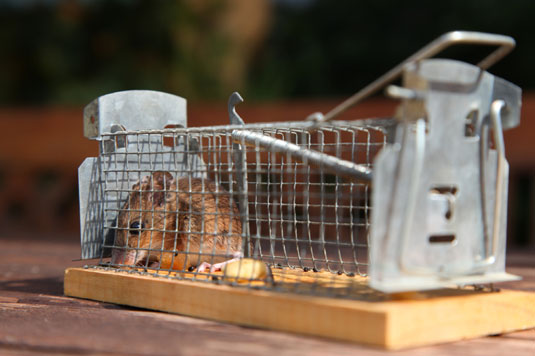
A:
{"x": 235, "y": 119}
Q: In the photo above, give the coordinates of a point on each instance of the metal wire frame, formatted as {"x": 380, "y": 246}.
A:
{"x": 298, "y": 216}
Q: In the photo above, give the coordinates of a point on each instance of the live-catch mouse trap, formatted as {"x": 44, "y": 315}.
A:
{"x": 374, "y": 231}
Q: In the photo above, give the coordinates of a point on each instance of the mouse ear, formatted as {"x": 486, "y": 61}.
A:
{"x": 162, "y": 181}
{"x": 142, "y": 184}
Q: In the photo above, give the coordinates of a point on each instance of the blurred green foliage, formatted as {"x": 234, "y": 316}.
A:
{"x": 333, "y": 48}
{"x": 69, "y": 52}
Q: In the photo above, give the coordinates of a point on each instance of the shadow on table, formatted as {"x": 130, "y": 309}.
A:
{"x": 51, "y": 286}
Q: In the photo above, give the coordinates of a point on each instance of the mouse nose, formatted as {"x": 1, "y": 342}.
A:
{"x": 117, "y": 256}
{"x": 123, "y": 257}
{"x": 120, "y": 256}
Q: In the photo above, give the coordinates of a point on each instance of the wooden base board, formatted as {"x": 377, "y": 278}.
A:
{"x": 402, "y": 321}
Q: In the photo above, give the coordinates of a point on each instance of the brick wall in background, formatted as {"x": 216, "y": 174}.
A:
{"x": 41, "y": 149}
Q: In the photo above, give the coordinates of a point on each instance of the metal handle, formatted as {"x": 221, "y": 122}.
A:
{"x": 505, "y": 43}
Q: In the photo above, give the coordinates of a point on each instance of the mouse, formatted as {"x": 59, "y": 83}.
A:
{"x": 177, "y": 224}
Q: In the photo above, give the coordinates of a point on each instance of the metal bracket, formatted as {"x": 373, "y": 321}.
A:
{"x": 440, "y": 190}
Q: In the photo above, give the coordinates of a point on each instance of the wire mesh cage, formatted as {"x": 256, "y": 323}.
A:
{"x": 185, "y": 200}
{"x": 417, "y": 200}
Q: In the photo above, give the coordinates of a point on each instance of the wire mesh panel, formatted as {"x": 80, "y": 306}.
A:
{"x": 187, "y": 203}
{"x": 304, "y": 216}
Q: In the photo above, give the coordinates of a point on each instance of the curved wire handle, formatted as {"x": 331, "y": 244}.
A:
{"x": 449, "y": 39}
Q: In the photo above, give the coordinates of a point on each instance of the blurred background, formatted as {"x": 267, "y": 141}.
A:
{"x": 288, "y": 58}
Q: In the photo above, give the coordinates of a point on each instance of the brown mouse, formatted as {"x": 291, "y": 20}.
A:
{"x": 177, "y": 224}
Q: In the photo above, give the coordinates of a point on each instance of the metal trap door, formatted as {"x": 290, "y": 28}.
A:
{"x": 133, "y": 143}
{"x": 440, "y": 192}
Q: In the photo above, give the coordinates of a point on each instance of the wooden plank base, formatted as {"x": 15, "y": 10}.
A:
{"x": 391, "y": 322}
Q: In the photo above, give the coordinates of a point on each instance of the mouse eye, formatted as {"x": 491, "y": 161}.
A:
{"x": 135, "y": 227}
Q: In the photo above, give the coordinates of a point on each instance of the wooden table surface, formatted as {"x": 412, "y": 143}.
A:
{"x": 35, "y": 317}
